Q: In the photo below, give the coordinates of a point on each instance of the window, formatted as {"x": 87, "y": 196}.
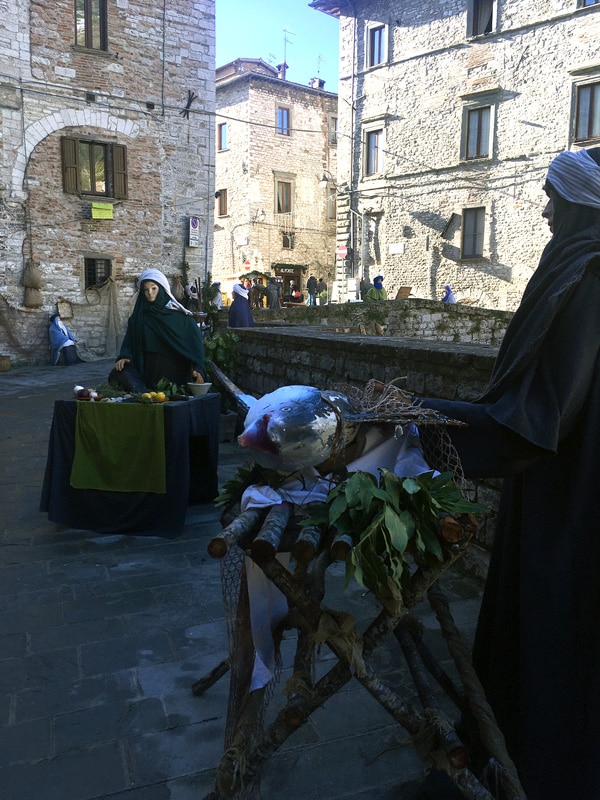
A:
{"x": 283, "y": 121}
{"x": 91, "y": 24}
{"x": 222, "y": 136}
{"x": 96, "y": 168}
{"x": 287, "y": 240}
{"x": 222, "y": 202}
{"x": 284, "y": 197}
{"x": 97, "y": 271}
{"x": 375, "y": 45}
{"x": 333, "y": 127}
{"x": 472, "y": 232}
{"x": 587, "y": 124}
{"x": 481, "y": 17}
{"x": 331, "y": 203}
{"x": 585, "y": 3}
{"x": 478, "y": 133}
{"x": 374, "y": 152}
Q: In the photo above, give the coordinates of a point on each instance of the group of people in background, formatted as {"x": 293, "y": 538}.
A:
{"x": 246, "y": 295}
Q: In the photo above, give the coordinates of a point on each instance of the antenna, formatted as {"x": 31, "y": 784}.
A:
{"x": 286, "y": 41}
{"x": 319, "y": 60}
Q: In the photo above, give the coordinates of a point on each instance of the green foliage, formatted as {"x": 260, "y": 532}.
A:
{"x": 110, "y": 390}
{"x": 185, "y": 272}
{"x": 169, "y": 388}
{"x": 389, "y": 518}
{"x": 209, "y": 292}
{"x": 245, "y": 475}
{"x": 220, "y": 348}
{"x": 233, "y": 488}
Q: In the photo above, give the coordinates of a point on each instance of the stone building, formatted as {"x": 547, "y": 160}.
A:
{"x": 450, "y": 112}
{"x": 106, "y": 114}
{"x": 275, "y": 140}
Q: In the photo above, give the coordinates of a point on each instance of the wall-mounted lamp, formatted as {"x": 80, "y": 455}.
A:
{"x": 327, "y": 179}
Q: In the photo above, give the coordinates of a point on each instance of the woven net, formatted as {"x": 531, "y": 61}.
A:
{"x": 245, "y": 710}
{"x": 388, "y": 404}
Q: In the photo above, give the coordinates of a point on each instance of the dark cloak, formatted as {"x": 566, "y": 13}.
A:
{"x": 537, "y": 647}
{"x": 162, "y": 342}
{"x": 240, "y": 315}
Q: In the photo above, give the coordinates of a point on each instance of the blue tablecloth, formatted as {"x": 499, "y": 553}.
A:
{"x": 191, "y": 455}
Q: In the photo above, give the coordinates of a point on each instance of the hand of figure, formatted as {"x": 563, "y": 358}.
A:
{"x": 122, "y": 362}
{"x": 197, "y": 376}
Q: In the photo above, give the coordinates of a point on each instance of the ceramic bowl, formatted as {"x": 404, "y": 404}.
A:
{"x": 198, "y": 389}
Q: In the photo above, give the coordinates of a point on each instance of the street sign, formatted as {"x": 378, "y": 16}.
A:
{"x": 194, "y": 232}
{"x": 342, "y": 251}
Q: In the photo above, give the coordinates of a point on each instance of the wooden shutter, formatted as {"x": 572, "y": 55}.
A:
{"x": 70, "y": 164}
{"x": 119, "y": 170}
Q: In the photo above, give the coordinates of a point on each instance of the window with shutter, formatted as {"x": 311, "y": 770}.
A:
{"x": 95, "y": 168}
{"x": 70, "y": 166}
{"x": 119, "y": 153}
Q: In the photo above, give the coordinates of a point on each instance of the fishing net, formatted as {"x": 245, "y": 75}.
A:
{"x": 388, "y": 404}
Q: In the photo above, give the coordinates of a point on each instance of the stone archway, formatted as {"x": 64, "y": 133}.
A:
{"x": 65, "y": 118}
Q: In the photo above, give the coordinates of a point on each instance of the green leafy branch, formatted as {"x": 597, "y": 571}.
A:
{"x": 389, "y": 519}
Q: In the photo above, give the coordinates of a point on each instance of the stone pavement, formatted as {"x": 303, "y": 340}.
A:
{"x": 101, "y": 637}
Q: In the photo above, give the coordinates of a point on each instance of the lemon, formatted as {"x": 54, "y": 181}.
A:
{"x": 160, "y": 397}
{"x": 147, "y": 396}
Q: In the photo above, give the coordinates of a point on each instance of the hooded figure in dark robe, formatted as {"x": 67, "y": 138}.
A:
{"x": 162, "y": 340}
{"x": 537, "y": 647}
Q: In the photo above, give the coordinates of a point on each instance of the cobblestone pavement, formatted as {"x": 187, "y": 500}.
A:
{"x": 101, "y": 637}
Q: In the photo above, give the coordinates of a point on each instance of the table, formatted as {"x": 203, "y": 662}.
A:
{"x": 191, "y": 451}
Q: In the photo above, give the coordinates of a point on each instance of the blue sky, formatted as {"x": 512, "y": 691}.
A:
{"x": 248, "y": 29}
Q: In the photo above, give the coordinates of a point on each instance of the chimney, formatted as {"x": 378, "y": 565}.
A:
{"x": 316, "y": 83}
{"x": 281, "y": 70}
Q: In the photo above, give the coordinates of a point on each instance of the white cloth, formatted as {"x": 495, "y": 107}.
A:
{"x": 268, "y": 606}
{"x": 576, "y": 177}
{"x": 159, "y": 277}
{"x": 400, "y": 454}
{"x": 241, "y": 290}
{"x": 306, "y": 487}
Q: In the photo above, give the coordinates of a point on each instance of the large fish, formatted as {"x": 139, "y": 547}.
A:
{"x": 295, "y": 427}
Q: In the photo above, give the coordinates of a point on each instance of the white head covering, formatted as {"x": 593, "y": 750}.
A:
{"x": 159, "y": 277}
{"x": 576, "y": 177}
{"x": 241, "y": 290}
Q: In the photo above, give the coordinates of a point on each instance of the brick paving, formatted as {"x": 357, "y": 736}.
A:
{"x": 101, "y": 637}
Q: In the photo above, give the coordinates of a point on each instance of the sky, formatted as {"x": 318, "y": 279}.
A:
{"x": 256, "y": 29}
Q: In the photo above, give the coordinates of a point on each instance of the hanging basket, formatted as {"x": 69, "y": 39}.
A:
{"x": 32, "y": 276}
{"x": 33, "y": 298}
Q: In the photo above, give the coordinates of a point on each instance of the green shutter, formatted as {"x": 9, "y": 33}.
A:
{"x": 119, "y": 170}
{"x": 70, "y": 165}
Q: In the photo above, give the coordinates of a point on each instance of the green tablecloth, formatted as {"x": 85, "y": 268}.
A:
{"x": 119, "y": 447}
